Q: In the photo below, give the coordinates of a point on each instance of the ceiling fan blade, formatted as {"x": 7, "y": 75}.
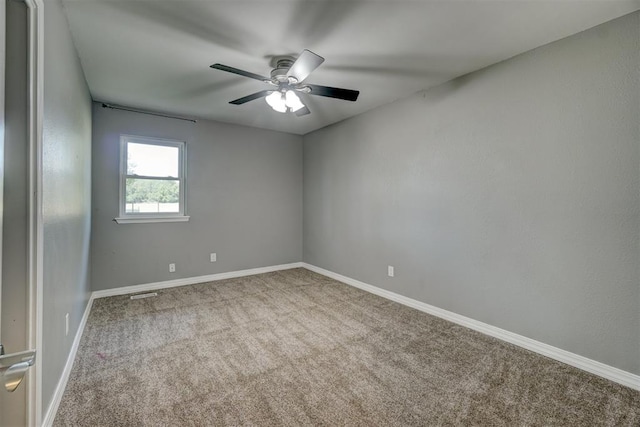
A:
{"x": 251, "y": 97}
{"x": 333, "y": 92}
{"x": 239, "y": 72}
{"x": 304, "y": 65}
{"x": 303, "y": 111}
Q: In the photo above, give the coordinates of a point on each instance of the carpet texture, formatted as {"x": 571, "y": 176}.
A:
{"x": 296, "y": 348}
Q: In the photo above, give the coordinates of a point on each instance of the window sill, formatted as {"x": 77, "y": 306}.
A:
{"x": 147, "y": 219}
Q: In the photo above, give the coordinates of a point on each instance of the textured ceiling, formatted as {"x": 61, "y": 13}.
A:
{"x": 156, "y": 54}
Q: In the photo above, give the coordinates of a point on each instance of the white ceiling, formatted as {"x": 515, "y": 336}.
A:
{"x": 156, "y": 54}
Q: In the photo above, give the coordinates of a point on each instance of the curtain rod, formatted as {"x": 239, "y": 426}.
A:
{"x": 133, "y": 110}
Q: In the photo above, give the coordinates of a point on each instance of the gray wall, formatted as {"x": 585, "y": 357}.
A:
{"x": 66, "y": 194}
{"x": 244, "y": 196}
{"x": 14, "y": 226}
{"x": 509, "y": 196}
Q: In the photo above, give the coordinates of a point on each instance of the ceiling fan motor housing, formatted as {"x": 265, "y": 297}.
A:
{"x": 279, "y": 74}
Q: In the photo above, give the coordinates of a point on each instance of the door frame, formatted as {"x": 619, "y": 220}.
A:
{"x": 3, "y": 59}
{"x": 35, "y": 235}
{"x": 35, "y": 58}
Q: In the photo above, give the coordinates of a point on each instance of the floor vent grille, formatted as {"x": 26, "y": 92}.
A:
{"x": 147, "y": 295}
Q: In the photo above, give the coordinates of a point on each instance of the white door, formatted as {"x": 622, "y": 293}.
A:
{"x": 16, "y": 290}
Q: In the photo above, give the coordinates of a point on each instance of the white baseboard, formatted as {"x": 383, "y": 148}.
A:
{"x": 609, "y": 372}
{"x": 50, "y": 414}
{"x": 191, "y": 280}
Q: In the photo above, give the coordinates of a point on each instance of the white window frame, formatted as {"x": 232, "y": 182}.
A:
{"x": 129, "y": 217}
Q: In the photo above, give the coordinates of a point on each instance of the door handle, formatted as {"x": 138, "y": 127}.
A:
{"x": 13, "y": 367}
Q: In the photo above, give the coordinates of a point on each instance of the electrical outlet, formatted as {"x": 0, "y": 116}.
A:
{"x": 213, "y": 257}
{"x": 390, "y": 271}
{"x": 66, "y": 324}
{"x": 172, "y": 268}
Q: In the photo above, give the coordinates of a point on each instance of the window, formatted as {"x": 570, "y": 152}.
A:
{"x": 152, "y": 179}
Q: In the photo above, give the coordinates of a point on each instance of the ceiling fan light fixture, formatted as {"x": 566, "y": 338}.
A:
{"x": 288, "y": 77}
{"x": 293, "y": 101}
{"x": 277, "y": 102}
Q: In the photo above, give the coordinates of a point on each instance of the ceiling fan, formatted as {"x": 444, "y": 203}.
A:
{"x": 288, "y": 78}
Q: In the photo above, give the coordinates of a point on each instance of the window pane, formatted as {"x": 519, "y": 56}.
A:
{"x": 152, "y": 160}
{"x": 152, "y": 196}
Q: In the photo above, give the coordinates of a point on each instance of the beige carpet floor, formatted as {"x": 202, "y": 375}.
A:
{"x": 296, "y": 348}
